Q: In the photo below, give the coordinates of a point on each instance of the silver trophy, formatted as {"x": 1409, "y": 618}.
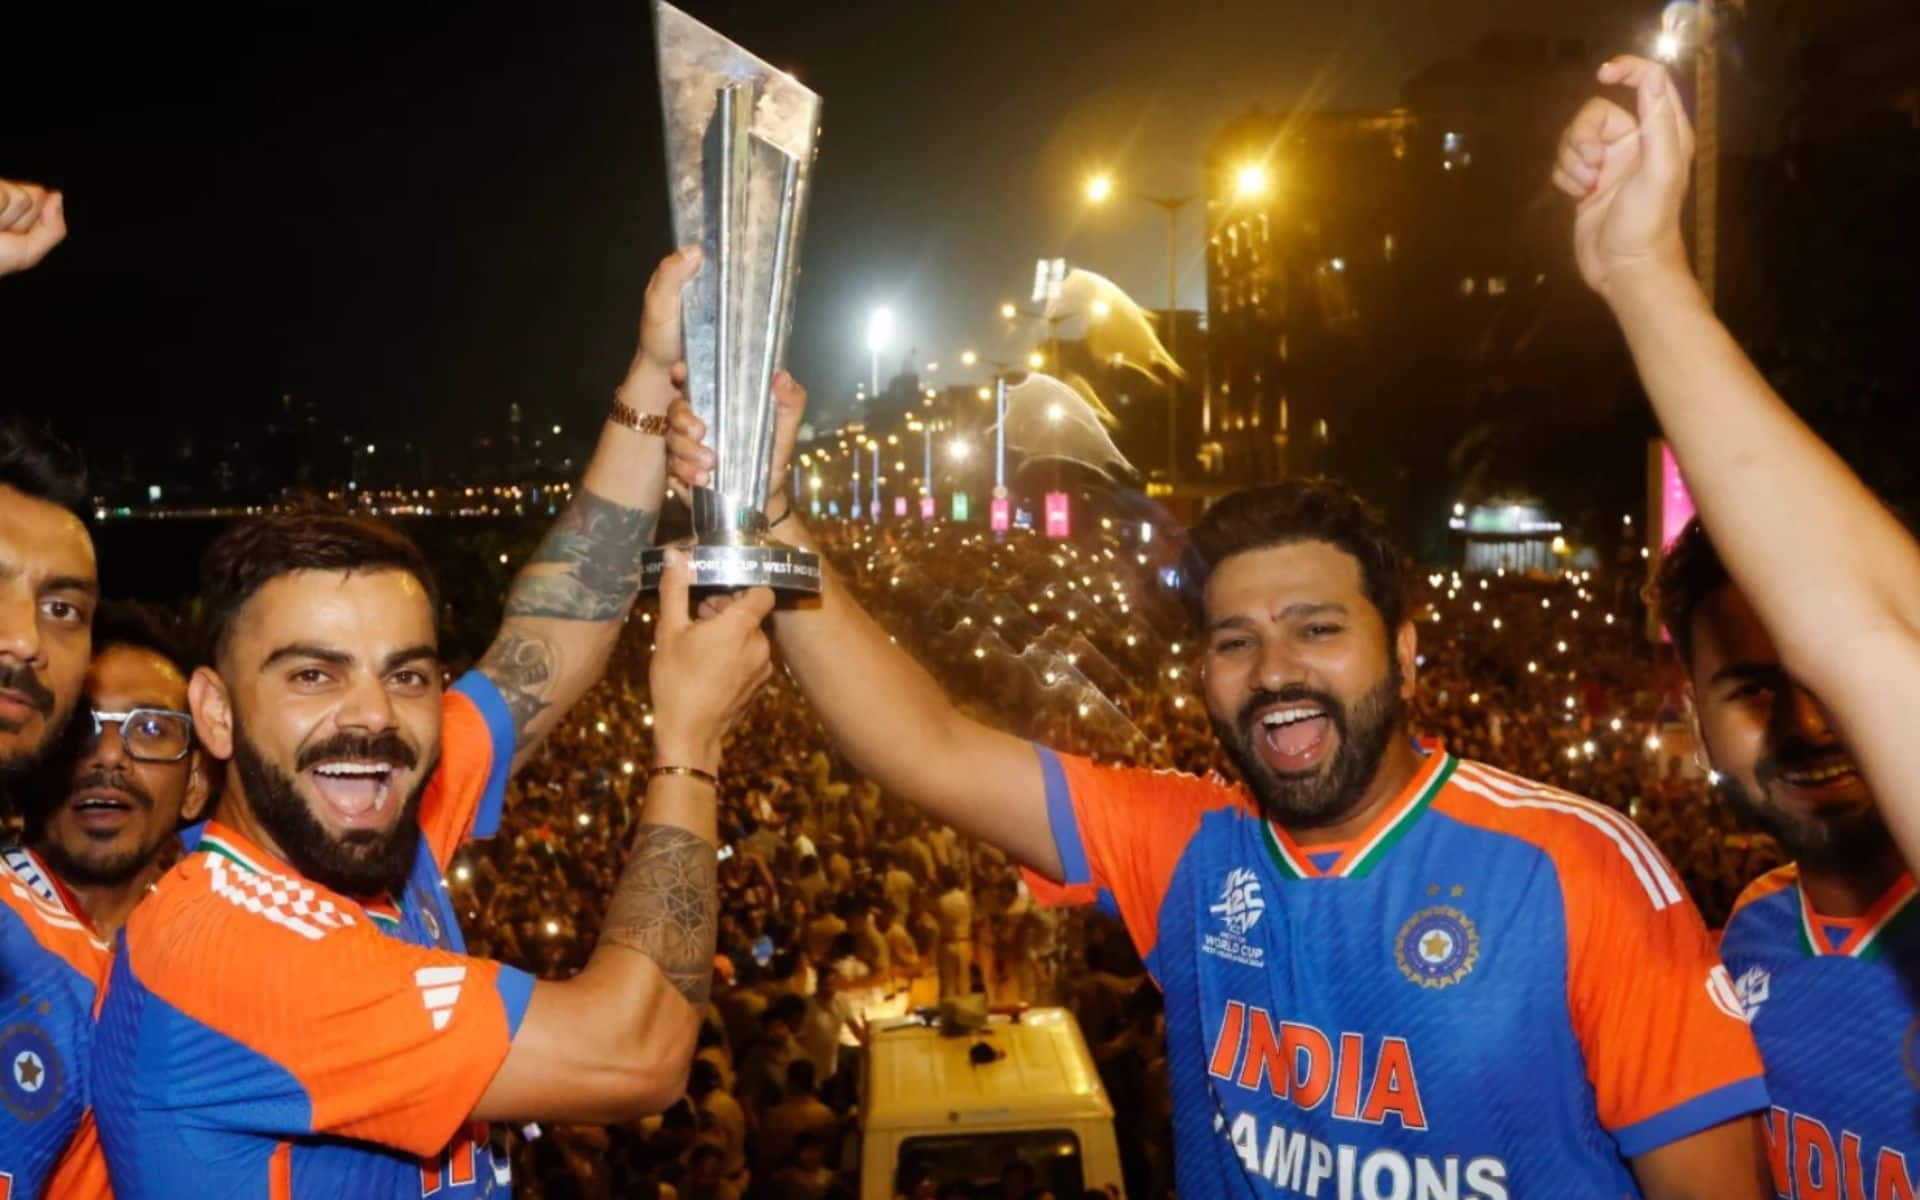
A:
{"x": 740, "y": 145}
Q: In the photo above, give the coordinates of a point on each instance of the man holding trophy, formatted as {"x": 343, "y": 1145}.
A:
{"x": 291, "y": 1012}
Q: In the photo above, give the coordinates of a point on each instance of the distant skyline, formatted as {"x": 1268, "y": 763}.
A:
{"x": 421, "y": 216}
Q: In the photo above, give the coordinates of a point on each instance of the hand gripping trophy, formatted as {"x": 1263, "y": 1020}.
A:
{"x": 740, "y": 144}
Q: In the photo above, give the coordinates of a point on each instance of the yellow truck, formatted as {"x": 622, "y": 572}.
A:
{"x": 962, "y": 1101}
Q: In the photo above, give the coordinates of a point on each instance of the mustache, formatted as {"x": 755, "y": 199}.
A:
{"x": 380, "y": 747}
{"x": 101, "y": 778}
{"x": 1796, "y": 754}
{"x": 1293, "y": 693}
{"x": 18, "y": 677}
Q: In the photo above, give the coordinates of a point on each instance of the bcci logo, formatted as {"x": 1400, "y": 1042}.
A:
{"x": 1240, "y": 905}
{"x": 33, "y": 1081}
{"x": 1437, "y": 947}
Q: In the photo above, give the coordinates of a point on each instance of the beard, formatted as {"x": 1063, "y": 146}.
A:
{"x": 1312, "y": 799}
{"x": 105, "y": 866}
{"x": 362, "y": 862}
{"x": 18, "y": 763}
{"x": 1837, "y": 845}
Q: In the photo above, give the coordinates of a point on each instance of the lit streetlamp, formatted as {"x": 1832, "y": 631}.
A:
{"x": 879, "y": 336}
{"x": 1099, "y": 189}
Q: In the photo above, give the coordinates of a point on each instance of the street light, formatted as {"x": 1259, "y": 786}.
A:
{"x": 1171, "y": 205}
{"x": 879, "y": 334}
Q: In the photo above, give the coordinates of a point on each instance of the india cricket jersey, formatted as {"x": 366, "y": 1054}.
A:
{"x": 264, "y": 1036}
{"x": 1497, "y": 990}
{"x": 51, "y": 967}
{"x": 1836, "y": 1011}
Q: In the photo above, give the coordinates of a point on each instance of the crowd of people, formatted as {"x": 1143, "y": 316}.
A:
{"x": 700, "y": 887}
{"x": 840, "y": 905}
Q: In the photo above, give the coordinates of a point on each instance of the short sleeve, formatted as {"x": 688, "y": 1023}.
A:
{"x": 1120, "y": 832}
{"x": 465, "y": 796}
{"x": 1644, "y": 980}
{"x": 311, "y": 1022}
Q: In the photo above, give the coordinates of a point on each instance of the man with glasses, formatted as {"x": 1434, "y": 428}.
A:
{"x": 99, "y": 827}
{"x": 102, "y": 814}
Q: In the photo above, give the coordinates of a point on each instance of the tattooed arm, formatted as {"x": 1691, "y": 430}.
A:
{"x": 565, "y": 609}
{"x": 616, "y": 1040}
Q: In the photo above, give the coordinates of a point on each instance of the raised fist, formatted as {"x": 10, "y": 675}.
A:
{"x": 1628, "y": 170}
{"x": 32, "y": 222}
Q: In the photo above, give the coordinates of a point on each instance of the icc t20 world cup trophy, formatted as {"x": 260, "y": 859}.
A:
{"x": 740, "y": 147}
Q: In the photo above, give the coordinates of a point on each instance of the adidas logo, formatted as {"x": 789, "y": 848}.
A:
{"x": 440, "y": 991}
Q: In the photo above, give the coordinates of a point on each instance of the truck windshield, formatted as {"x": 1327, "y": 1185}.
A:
{"x": 1010, "y": 1164}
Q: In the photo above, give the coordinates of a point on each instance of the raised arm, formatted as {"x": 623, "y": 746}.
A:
{"x": 32, "y": 222}
{"x": 886, "y": 713}
{"x": 565, "y": 609}
{"x": 617, "y": 1039}
{"x": 1833, "y": 576}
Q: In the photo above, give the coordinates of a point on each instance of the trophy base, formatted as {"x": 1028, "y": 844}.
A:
{"x": 785, "y": 569}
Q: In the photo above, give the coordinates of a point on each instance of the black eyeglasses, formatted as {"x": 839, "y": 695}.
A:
{"x": 149, "y": 734}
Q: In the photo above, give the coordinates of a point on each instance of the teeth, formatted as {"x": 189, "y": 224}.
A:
{"x": 353, "y": 770}
{"x": 1274, "y": 720}
{"x": 1819, "y": 776}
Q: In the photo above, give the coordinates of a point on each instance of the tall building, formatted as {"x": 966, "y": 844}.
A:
{"x": 1384, "y": 286}
{"x": 1301, "y": 216}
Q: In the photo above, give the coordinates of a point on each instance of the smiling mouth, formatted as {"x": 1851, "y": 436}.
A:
{"x": 358, "y": 792}
{"x": 1822, "y": 774}
{"x": 1294, "y": 735}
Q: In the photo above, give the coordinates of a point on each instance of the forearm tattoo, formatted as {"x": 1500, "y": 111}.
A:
{"x": 524, "y": 668}
{"x": 666, "y": 907}
{"x": 597, "y": 544}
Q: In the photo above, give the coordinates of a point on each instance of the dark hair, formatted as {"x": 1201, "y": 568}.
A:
{"x": 702, "y": 1152}
{"x": 142, "y": 627}
{"x": 38, "y": 464}
{"x": 1302, "y": 510}
{"x": 788, "y": 1009}
{"x": 702, "y": 1078}
{"x": 1689, "y": 572}
{"x": 800, "y": 1077}
{"x": 253, "y": 552}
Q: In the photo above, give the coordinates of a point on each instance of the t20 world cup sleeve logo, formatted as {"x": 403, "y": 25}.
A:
{"x": 1240, "y": 905}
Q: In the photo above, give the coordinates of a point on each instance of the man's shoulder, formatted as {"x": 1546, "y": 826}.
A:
{"x": 1592, "y": 847}
{"x": 1160, "y": 787}
{"x": 1771, "y": 891}
{"x": 30, "y": 903}
{"x": 213, "y": 923}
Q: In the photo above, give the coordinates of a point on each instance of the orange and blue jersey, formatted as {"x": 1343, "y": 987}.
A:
{"x": 51, "y": 969}
{"x": 264, "y": 1036}
{"x": 1835, "y": 1006}
{"x": 1497, "y": 990}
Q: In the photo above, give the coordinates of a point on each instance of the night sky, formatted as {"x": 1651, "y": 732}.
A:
{"x": 422, "y": 213}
